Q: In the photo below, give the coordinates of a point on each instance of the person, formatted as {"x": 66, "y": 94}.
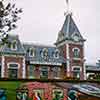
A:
{"x": 38, "y": 96}
{"x": 34, "y": 96}
{"x": 24, "y": 96}
{"x": 19, "y": 96}
{"x": 73, "y": 97}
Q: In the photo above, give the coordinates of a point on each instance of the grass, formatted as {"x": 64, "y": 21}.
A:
{"x": 10, "y": 88}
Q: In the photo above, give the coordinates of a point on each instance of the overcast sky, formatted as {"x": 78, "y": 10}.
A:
{"x": 42, "y": 19}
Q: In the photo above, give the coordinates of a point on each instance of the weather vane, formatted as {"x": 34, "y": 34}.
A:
{"x": 67, "y": 10}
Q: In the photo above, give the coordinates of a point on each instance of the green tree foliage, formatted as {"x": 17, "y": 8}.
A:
{"x": 9, "y": 15}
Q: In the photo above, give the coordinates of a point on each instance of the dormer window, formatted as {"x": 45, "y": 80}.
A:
{"x": 56, "y": 54}
{"x": 31, "y": 52}
{"x": 76, "y": 52}
{"x": 14, "y": 45}
{"x": 44, "y": 53}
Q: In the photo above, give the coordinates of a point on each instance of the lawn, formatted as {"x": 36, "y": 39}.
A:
{"x": 10, "y": 87}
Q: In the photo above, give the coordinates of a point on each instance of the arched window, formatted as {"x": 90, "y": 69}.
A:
{"x": 31, "y": 52}
{"x": 14, "y": 45}
{"x": 56, "y": 54}
{"x": 76, "y": 52}
{"x": 44, "y": 53}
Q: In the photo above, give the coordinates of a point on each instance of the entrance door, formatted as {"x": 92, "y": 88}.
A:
{"x": 13, "y": 71}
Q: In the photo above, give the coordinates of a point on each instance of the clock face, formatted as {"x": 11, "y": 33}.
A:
{"x": 76, "y": 38}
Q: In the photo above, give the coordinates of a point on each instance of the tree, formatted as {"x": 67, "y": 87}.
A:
{"x": 9, "y": 15}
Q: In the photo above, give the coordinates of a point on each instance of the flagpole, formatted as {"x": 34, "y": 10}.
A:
{"x": 67, "y": 3}
{"x": 67, "y": 8}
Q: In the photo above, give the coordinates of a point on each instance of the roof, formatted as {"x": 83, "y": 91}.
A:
{"x": 38, "y": 58}
{"x": 6, "y": 48}
{"x": 68, "y": 29}
{"x": 92, "y": 68}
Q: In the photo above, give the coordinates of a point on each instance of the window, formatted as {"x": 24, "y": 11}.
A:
{"x": 55, "y": 72}
{"x": 44, "y": 53}
{"x": 44, "y": 72}
{"x": 76, "y": 52}
{"x": 76, "y": 72}
{"x": 31, "y": 52}
{"x": 56, "y": 54}
{"x": 14, "y": 45}
{"x": 13, "y": 71}
{"x": 31, "y": 71}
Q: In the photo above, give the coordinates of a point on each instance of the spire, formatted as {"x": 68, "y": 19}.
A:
{"x": 69, "y": 28}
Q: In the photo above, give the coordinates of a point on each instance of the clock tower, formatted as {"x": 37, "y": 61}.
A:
{"x": 71, "y": 46}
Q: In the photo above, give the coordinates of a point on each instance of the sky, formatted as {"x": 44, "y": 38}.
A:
{"x": 41, "y": 21}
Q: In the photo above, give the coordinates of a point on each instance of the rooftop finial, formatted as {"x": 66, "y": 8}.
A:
{"x": 67, "y": 10}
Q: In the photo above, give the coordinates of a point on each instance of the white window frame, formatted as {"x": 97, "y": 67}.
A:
{"x": 76, "y": 71}
{"x": 42, "y": 53}
{"x": 13, "y": 63}
{"x": 74, "y": 50}
{"x": 55, "y": 54}
{"x": 30, "y": 52}
{"x": 13, "y": 67}
{"x": 41, "y": 70}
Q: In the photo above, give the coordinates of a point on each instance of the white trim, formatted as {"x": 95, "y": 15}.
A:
{"x": 45, "y": 63}
{"x": 30, "y": 53}
{"x": 55, "y": 54}
{"x": 7, "y": 55}
{"x": 13, "y": 63}
{"x": 76, "y": 48}
{"x": 2, "y": 67}
{"x": 70, "y": 42}
{"x": 68, "y": 60}
{"x": 76, "y": 58}
{"x": 24, "y": 69}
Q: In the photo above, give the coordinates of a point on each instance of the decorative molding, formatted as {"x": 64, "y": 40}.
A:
{"x": 76, "y": 48}
{"x": 45, "y": 63}
{"x": 68, "y": 62}
{"x": 13, "y": 56}
{"x": 77, "y": 59}
{"x": 13, "y": 63}
{"x": 69, "y": 42}
{"x": 24, "y": 68}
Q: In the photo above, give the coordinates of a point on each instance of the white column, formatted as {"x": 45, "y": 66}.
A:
{"x": 84, "y": 71}
{"x": 68, "y": 60}
{"x": 2, "y": 67}
{"x": 84, "y": 66}
{"x": 24, "y": 69}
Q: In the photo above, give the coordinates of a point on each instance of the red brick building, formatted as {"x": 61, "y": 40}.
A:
{"x": 64, "y": 59}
